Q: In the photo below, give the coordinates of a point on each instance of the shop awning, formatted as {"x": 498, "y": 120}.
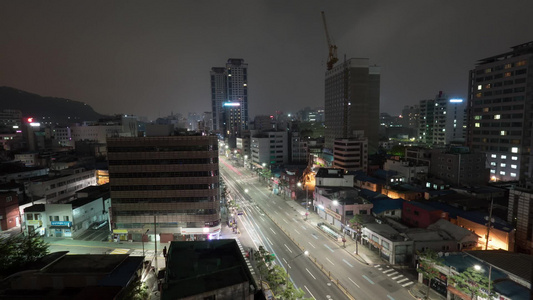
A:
{"x": 120, "y": 231}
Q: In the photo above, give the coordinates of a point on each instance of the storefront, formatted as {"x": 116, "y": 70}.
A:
{"x": 120, "y": 235}
{"x": 60, "y": 229}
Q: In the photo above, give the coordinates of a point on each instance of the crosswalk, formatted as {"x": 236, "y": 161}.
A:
{"x": 394, "y": 275}
{"x": 120, "y": 251}
{"x": 244, "y": 255}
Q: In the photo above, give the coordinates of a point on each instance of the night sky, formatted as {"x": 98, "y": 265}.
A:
{"x": 149, "y": 58}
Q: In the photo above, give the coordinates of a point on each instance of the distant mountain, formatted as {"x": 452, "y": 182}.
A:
{"x": 46, "y": 109}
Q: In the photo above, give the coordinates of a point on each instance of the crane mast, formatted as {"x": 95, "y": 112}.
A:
{"x": 332, "y": 55}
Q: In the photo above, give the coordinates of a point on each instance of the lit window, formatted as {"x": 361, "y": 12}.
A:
{"x": 493, "y": 155}
{"x": 502, "y": 172}
{"x": 507, "y": 74}
{"x": 479, "y": 87}
{"x": 488, "y": 70}
{"x": 513, "y": 174}
{"x": 493, "y": 171}
{"x": 487, "y": 86}
{"x": 485, "y": 109}
{"x": 521, "y": 63}
{"x": 514, "y": 157}
{"x": 496, "y": 117}
{"x": 503, "y": 132}
{"x": 513, "y": 166}
{"x": 477, "y": 125}
{"x": 503, "y": 165}
{"x": 492, "y": 163}
{"x": 478, "y": 95}
{"x": 477, "y": 117}
{"x": 508, "y": 66}
{"x": 514, "y": 149}
{"x": 503, "y": 157}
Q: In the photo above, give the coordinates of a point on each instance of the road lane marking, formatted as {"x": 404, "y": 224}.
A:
{"x": 394, "y": 278}
{"x": 270, "y": 242}
{"x": 364, "y": 276}
{"x": 312, "y": 245}
{"x": 354, "y": 282}
{"x": 328, "y": 248}
{"x": 272, "y": 230}
{"x": 304, "y": 227}
{"x": 393, "y": 273}
{"x": 280, "y": 207}
{"x": 262, "y": 219}
{"x": 309, "y": 292}
{"x": 314, "y": 235}
{"x": 388, "y": 271}
{"x": 120, "y": 251}
{"x": 344, "y": 260}
{"x": 310, "y": 273}
{"x": 285, "y": 221}
{"x": 330, "y": 261}
{"x": 407, "y": 284}
{"x": 296, "y": 231}
{"x": 402, "y": 280}
{"x": 288, "y": 248}
{"x": 390, "y": 297}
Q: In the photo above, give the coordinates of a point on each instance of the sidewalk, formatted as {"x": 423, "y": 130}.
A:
{"x": 418, "y": 291}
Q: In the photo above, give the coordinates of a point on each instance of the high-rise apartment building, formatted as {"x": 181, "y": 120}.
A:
{"x": 229, "y": 97}
{"x": 500, "y": 112}
{"x": 352, "y": 102}
{"x": 442, "y": 120}
{"x": 170, "y": 180}
{"x": 351, "y": 154}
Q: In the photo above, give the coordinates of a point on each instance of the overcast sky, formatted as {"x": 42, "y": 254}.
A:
{"x": 149, "y": 58}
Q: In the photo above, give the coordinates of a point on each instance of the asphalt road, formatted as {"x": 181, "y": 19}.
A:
{"x": 361, "y": 280}
{"x": 259, "y": 230}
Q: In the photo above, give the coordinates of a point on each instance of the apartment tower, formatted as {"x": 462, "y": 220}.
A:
{"x": 352, "y": 102}
{"x": 500, "y": 113}
{"x": 172, "y": 181}
{"x": 229, "y": 97}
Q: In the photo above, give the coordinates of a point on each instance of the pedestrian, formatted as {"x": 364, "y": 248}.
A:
{"x": 165, "y": 251}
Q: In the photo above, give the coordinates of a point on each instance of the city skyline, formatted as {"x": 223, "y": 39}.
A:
{"x": 150, "y": 60}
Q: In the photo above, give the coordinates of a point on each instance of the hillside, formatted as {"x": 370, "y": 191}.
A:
{"x": 56, "y": 110}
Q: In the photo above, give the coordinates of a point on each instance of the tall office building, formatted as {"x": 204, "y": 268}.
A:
{"x": 352, "y": 102}
{"x": 170, "y": 180}
{"x": 442, "y": 120}
{"x": 229, "y": 97}
{"x": 500, "y": 112}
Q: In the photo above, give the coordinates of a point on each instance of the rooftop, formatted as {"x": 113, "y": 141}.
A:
{"x": 197, "y": 267}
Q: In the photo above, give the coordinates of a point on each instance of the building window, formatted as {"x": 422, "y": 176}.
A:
{"x": 503, "y": 157}
{"x": 513, "y": 174}
{"x": 503, "y": 165}
{"x": 496, "y": 117}
{"x": 479, "y": 87}
{"x": 503, "y": 132}
{"x": 492, "y": 163}
{"x": 493, "y": 155}
{"x": 478, "y": 125}
{"x": 493, "y": 171}
{"x": 502, "y": 172}
{"x": 514, "y": 157}
{"x": 514, "y": 149}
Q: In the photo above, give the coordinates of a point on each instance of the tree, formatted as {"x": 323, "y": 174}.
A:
{"x": 19, "y": 251}
{"x": 470, "y": 282}
{"x": 427, "y": 265}
{"x": 136, "y": 290}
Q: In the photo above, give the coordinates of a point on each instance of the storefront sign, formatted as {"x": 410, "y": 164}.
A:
{"x": 334, "y": 214}
{"x": 34, "y": 222}
{"x": 61, "y": 223}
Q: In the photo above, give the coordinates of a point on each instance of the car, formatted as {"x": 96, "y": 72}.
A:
{"x": 99, "y": 225}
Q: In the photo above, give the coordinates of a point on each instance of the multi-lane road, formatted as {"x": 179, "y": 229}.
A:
{"x": 271, "y": 221}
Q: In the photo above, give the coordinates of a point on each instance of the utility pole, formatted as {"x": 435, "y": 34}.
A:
{"x": 155, "y": 244}
{"x": 489, "y": 224}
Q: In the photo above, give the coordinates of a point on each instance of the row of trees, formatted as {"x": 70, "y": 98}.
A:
{"x": 471, "y": 282}
{"x": 276, "y": 277}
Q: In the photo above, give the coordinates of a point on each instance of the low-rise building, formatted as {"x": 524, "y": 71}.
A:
{"x": 9, "y": 210}
{"x": 333, "y": 177}
{"x": 82, "y": 276}
{"x": 388, "y": 243}
{"x": 520, "y": 212}
{"x": 338, "y": 205}
{"x": 191, "y": 274}
{"x": 421, "y": 215}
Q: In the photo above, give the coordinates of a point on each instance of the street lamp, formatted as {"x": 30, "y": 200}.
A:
{"x": 306, "y": 253}
{"x": 142, "y": 239}
{"x": 307, "y": 202}
{"x": 478, "y": 268}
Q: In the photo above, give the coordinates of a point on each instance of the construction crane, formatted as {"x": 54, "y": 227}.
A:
{"x": 332, "y": 55}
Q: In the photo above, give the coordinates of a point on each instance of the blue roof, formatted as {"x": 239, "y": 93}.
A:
{"x": 382, "y": 174}
{"x": 474, "y": 216}
{"x": 369, "y": 195}
{"x": 384, "y": 204}
{"x": 501, "y": 282}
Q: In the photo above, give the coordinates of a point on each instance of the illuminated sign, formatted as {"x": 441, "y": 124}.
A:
{"x": 232, "y": 104}
{"x": 456, "y": 100}
{"x": 30, "y": 120}
{"x": 61, "y": 223}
